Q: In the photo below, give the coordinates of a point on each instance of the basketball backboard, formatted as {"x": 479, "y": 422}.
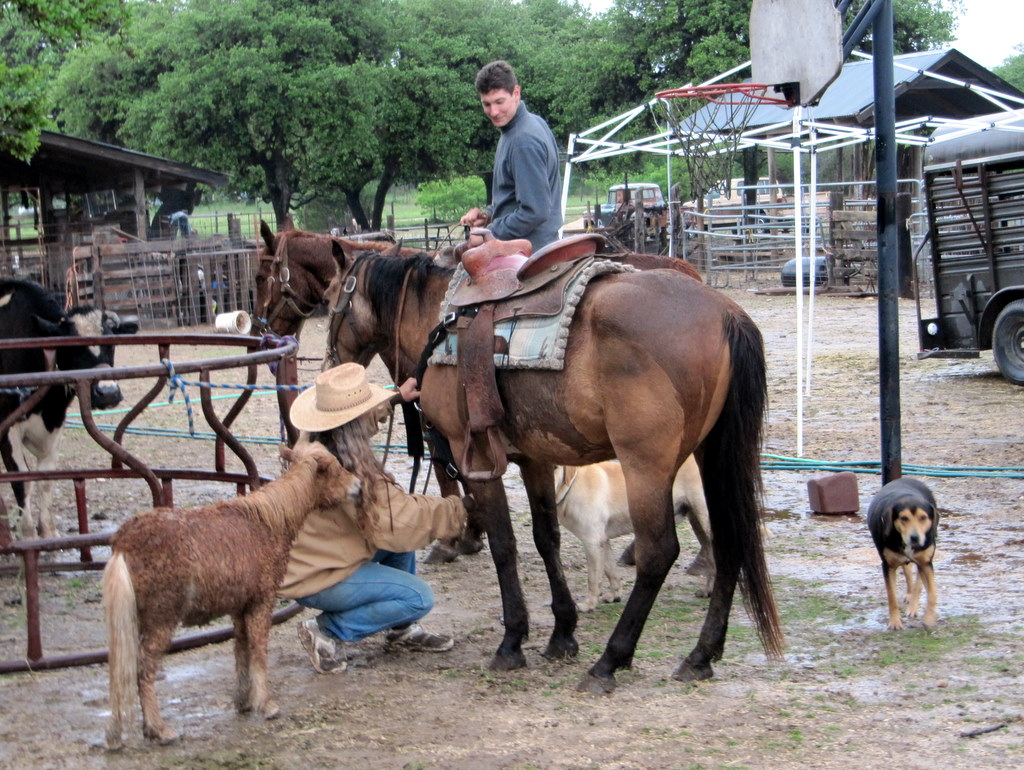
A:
{"x": 796, "y": 46}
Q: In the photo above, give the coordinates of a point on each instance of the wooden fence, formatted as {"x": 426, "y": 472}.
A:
{"x": 166, "y": 283}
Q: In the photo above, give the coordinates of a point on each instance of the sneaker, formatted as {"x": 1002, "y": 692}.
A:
{"x": 415, "y": 637}
{"x": 322, "y": 650}
{"x": 356, "y": 653}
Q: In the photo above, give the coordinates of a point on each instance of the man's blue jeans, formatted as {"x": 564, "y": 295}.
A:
{"x": 381, "y": 594}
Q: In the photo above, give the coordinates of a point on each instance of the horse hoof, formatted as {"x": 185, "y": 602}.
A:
{"x": 469, "y": 546}
{"x": 596, "y": 685}
{"x": 688, "y": 672}
{"x": 441, "y": 554}
{"x": 561, "y": 650}
{"x": 165, "y": 736}
{"x": 113, "y": 743}
{"x": 507, "y": 662}
{"x": 270, "y": 710}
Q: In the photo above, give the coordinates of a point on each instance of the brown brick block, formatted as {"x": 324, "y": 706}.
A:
{"x": 835, "y": 493}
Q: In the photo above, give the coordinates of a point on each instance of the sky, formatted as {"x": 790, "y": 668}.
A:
{"x": 987, "y": 31}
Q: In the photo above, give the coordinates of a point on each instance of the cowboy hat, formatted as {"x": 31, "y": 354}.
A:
{"x": 339, "y": 396}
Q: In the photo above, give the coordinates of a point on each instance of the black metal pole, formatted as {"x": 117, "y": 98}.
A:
{"x": 888, "y": 244}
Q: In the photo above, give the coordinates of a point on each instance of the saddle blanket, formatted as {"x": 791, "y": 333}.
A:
{"x": 532, "y": 341}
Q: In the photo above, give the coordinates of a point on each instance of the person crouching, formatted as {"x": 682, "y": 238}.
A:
{"x": 360, "y": 571}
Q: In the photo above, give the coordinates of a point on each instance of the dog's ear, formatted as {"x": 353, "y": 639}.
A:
{"x": 889, "y": 519}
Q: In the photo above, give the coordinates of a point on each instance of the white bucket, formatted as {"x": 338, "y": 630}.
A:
{"x": 237, "y": 322}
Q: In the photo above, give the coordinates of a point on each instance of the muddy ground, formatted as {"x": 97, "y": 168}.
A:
{"x": 849, "y": 693}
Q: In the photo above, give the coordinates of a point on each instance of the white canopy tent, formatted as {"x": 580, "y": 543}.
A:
{"x": 796, "y": 130}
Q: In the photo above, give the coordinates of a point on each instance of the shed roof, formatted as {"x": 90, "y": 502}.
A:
{"x": 84, "y": 166}
{"x": 921, "y": 88}
{"x": 932, "y": 88}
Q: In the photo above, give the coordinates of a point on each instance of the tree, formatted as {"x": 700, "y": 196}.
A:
{"x": 918, "y": 25}
{"x": 275, "y": 94}
{"x": 447, "y": 201}
{"x": 1012, "y": 68}
{"x": 668, "y": 43}
{"x": 442, "y": 45}
{"x": 35, "y": 35}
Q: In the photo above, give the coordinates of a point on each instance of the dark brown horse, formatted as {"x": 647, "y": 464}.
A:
{"x": 294, "y": 271}
{"x": 296, "y": 267}
{"x": 657, "y": 367}
{"x": 296, "y": 274}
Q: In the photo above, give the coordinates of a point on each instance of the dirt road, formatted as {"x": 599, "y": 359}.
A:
{"x": 848, "y": 694}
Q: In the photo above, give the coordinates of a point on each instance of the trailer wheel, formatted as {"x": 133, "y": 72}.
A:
{"x": 1008, "y": 342}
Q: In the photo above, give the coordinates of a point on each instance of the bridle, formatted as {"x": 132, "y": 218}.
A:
{"x": 339, "y": 312}
{"x": 280, "y": 272}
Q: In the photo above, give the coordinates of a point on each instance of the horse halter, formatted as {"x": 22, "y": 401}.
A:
{"x": 338, "y": 314}
{"x": 281, "y": 273}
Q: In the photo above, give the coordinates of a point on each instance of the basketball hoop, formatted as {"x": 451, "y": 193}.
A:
{"x": 708, "y": 121}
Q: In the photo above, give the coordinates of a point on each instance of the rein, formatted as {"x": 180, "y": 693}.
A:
{"x": 398, "y": 322}
{"x": 410, "y": 411}
{"x": 338, "y": 313}
{"x": 565, "y": 487}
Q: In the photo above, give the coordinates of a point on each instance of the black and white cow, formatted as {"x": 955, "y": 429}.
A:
{"x": 27, "y": 310}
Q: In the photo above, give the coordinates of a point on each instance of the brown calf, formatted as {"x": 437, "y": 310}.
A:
{"x": 187, "y": 567}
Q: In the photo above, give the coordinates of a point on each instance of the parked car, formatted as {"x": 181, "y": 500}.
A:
{"x": 821, "y": 272}
{"x": 647, "y": 193}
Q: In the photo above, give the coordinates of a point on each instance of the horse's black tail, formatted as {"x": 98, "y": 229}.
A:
{"x": 732, "y": 479}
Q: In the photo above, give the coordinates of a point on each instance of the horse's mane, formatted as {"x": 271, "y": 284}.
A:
{"x": 384, "y": 277}
{"x": 314, "y": 245}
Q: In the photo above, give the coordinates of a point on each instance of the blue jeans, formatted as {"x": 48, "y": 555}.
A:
{"x": 381, "y": 594}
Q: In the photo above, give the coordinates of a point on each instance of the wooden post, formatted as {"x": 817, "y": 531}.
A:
{"x": 141, "y": 219}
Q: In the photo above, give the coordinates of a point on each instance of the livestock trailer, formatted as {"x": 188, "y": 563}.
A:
{"x": 974, "y": 191}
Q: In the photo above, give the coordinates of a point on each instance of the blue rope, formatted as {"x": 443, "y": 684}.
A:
{"x": 23, "y": 393}
{"x": 175, "y": 383}
{"x": 783, "y": 463}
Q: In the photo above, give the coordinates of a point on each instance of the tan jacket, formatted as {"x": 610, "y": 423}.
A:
{"x": 330, "y": 546}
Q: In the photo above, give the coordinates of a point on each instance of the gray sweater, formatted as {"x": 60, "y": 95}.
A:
{"x": 527, "y": 187}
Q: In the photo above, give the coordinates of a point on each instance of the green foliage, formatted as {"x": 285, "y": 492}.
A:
{"x": 1012, "y": 69}
{"x": 342, "y": 99}
{"x": 446, "y": 201}
{"x": 918, "y": 25}
{"x": 35, "y": 35}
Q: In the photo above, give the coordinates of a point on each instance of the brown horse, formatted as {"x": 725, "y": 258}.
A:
{"x": 340, "y": 294}
{"x": 657, "y": 367}
{"x": 298, "y": 273}
{"x": 295, "y": 269}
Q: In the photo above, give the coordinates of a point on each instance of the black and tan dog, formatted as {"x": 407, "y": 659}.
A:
{"x": 903, "y": 521}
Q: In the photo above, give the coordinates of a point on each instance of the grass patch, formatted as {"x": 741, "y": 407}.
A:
{"x": 916, "y": 647}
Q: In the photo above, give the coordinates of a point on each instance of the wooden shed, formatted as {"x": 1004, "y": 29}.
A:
{"x": 93, "y": 221}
